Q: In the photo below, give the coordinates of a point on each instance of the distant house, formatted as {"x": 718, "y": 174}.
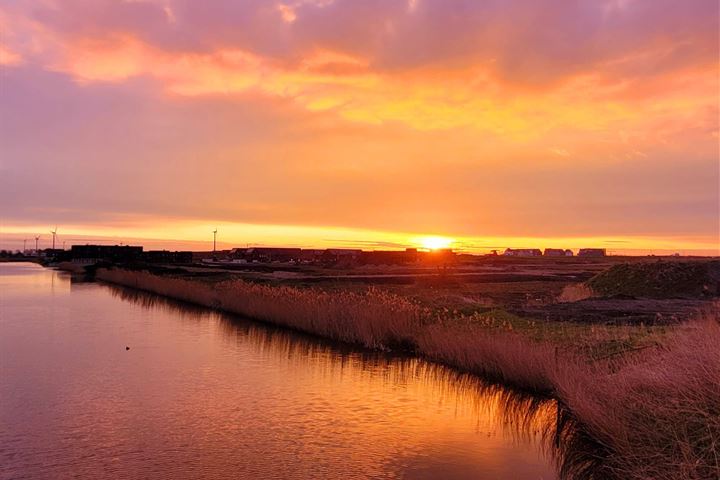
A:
{"x": 554, "y": 252}
{"x": 88, "y": 254}
{"x": 389, "y": 257}
{"x": 56, "y": 254}
{"x": 166, "y": 256}
{"x": 341, "y": 256}
{"x": 523, "y": 252}
{"x": 237, "y": 253}
{"x": 311, "y": 255}
{"x": 270, "y": 254}
{"x": 592, "y": 252}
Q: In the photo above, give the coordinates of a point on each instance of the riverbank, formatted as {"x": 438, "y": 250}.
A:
{"x": 373, "y": 319}
{"x": 654, "y": 409}
{"x": 21, "y": 259}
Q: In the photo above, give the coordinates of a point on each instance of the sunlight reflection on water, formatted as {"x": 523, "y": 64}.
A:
{"x": 203, "y": 394}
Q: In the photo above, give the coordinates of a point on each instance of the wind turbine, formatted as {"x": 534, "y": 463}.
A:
{"x": 54, "y": 232}
{"x": 214, "y": 240}
{"x": 36, "y": 244}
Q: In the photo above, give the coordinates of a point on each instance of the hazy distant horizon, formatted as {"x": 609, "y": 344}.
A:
{"x": 14, "y": 241}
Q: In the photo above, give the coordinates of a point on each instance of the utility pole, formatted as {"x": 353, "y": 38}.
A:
{"x": 214, "y": 240}
{"x": 36, "y": 244}
{"x": 24, "y": 246}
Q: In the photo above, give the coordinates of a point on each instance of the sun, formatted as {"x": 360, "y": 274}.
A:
{"x": 435, "y": 242}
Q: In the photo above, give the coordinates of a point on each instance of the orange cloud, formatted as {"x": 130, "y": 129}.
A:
{"x": 424, "y": 99}
{"x": 8, "y": 57}
{"x": 426, "y": 64}
{"x": 429, "y": 116}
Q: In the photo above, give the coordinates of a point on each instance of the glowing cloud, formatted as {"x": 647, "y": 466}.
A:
{"x": 512, "y": 119}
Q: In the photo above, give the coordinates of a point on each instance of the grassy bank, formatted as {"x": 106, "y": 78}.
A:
{"x": 661, "y": 279}
{"x": 373, "y": 319}
{"x": 655, "y": 416}
{"x": 650, "y": 412}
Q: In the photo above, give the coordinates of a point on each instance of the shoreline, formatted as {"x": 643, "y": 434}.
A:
{"x": 375, "y": 321}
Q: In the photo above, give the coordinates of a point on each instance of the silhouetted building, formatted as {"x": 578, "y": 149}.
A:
{"x": 107, "y": 253}
{"x": 523, "y": 252}
{"x": 554, "y": 252}
{"x": 311, "y": 255}
{"x": 165, "y": 256}
{"x": 341, "y": 256}
{"x": 389, "y": 257}
{"x": 269, "y": 254}
{"x": 56, "y": 254}
{"x": 592, "y": 252}
{"x": 237, "y": 253}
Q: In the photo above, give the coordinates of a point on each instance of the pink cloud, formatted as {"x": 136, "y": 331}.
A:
{"x": 457, "y": 116}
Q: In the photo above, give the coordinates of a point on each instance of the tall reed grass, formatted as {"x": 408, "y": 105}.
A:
{"x": 505, "y": 357}
{"x": 657, "y": 415}
{"x": 373, "y": 319}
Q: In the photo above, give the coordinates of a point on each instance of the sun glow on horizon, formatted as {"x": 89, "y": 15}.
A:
{"x": 160, "y": 233}
{"x": 435, "y": 242}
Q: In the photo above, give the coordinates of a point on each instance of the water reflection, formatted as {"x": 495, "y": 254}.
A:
{"x": 526, "y": 418}
{"x": 206, "y": 395}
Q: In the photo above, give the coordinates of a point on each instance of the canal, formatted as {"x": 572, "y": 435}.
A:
{"x": 201, "y": 394}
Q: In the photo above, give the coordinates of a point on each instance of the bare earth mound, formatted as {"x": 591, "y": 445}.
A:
{"x": 661, "y": 280}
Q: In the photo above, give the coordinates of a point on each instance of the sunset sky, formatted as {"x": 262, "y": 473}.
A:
{"x": 372, "y": 123}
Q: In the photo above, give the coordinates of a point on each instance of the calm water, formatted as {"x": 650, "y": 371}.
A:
{"x": 205, "y": 395}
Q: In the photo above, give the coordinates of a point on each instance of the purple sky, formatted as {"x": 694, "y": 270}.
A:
{"x": 496, "y": 119}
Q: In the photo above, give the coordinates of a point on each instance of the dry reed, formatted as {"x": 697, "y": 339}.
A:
{"x": 374, "y": 319}
{"x": 505, "y": 357}
{"x": 657, "y": 415}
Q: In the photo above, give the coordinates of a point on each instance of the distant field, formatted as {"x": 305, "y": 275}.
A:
{"x": 526, "y": 288}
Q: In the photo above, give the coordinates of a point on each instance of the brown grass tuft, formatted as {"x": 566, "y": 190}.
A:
{"x": 575, "y": 292}
{"x": 657, "y": 415}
